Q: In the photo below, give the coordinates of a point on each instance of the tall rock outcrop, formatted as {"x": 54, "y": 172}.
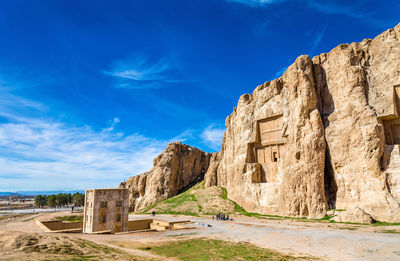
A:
{"x": 325, "y": 134}
{"x": 359, "y": 87}
{"x": 273, "y": 154}
{"x": 174, "y": 170}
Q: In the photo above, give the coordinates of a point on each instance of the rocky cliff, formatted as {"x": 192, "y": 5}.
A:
{"x": 176, "y": 169}
{"x": 324, "y": 135}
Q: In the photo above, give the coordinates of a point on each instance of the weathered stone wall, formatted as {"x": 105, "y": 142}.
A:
{"x": 175, "y": 170}
{"x": 106, "y": 209}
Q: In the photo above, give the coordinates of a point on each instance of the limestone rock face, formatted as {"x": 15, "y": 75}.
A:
{"x": 359, "y": 86}
{"x": 273, "y": 154}
{"x": 325, "y": 134}
{"x": 211, "y": 175}
{"x": 174, "y": 170}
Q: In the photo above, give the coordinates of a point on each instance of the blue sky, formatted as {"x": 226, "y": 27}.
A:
{"x": 92, "y": 91}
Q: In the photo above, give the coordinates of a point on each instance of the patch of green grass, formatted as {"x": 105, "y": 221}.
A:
{"x": 347, "y": 223}
{"x": 201, "y": 185}
{"x": 379, "y": 223}
{"x": 180, "y": 199}
{"x": 376, "y": 223}
{"x": 83, "y": 258}
{"x": 72, "y": 218}
{"x": 182, "y": 234}
{"x": 224, "y": 193}
{"x": 169, "y": 212}
{"x": 146, "y": 209}
{"x": 77, "y": 258}
{"x": 242, "y": 211}
{"x": 348, "y": 228}
{"x": 324, "y": 218}
{"x": 392, "y": 231}
{"x": 211, "y": 249}
{"x": 167, "y": 206}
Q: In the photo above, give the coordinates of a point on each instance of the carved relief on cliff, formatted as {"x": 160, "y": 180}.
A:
{"x": 391, "y": 123}
{"x": 268, "y": 149}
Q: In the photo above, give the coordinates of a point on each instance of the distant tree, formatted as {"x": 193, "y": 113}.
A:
{"x": 40, "y": 201}
{"x": 78, "y": 199}
{"x": 61, "y": 199}
{"x": 69, "y": 199}
{"x": 51, "y": 201}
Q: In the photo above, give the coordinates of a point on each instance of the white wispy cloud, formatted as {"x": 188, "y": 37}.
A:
{"x": 40, "y": 153}
{"x": 212, "y": 137}
{"x": 11, "y": 105}
{"x": 144, "y": 72}
{"x": 57, "y": 155}
{"x": 317, "y": 40}
{"x": 114, "y": 122}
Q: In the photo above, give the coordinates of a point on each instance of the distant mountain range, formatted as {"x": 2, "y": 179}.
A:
{"x": 34, "y": 193}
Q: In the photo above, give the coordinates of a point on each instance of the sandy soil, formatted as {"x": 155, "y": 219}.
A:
{"x": 324, "y": 240}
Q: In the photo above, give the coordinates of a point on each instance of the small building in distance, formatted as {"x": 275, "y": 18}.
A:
{"x": 106, "y": 210}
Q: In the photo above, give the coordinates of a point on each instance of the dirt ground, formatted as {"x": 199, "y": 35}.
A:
{"x": 327, "y": 241}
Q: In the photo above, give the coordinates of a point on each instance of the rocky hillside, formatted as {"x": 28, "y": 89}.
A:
{"x": 324, "y": 135}
{"x": 175, "y": 170}
{"x": 195, "y": 201}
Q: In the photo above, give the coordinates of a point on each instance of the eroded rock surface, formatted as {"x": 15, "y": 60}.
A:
{"x": 324, "y": 135}
{"x": 273, "y": 154}
{"x": 358, "y": 86}
{"x": 174, "y": 170}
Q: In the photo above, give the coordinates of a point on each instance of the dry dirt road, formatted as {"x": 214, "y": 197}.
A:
{"x": 323, "y": 240}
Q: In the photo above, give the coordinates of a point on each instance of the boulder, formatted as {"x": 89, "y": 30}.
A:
{"x": 353, "y": 215}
